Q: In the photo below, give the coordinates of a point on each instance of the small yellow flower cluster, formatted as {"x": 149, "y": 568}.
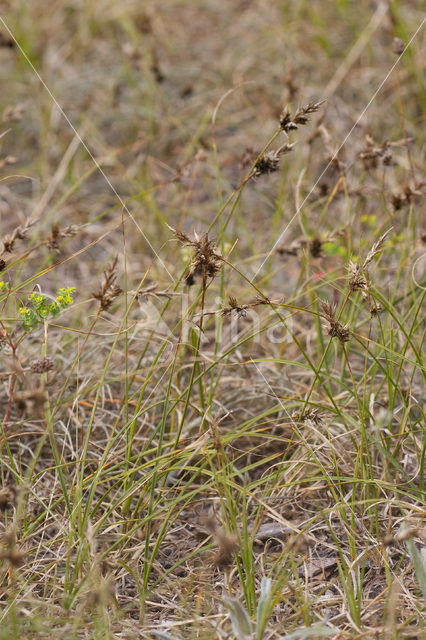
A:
{"x": 65, "y": 296}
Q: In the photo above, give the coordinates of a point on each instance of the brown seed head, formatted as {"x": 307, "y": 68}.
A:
{"x": 314, "y": 415}
{"x": 398, "y": 46}
{"x": 373, "y": 152}
{"x": 109, "y": 290}
{"x": 357, "y": 279}
{"x": 42, "y": 366}
{"x": 288, "y": 123}
{"x": 334, "y": 328}
{"x": 404, "y": 534}
{"x": 227, "y": 543}
{"x": 269, "y": 162}
{"x": 8, "y": 497}
{"x": 206, "y": 262}
{"x": 6, "y": 41}
{"x": 228, "y": 546}
{"x": 57, "y": 234}
{"x": 19, "y": 233}
{"x": 15, "y": 557}
{"x": 376, "y": 248}
{"x": 315, "y": 247}
{"x": 240, "y": 310}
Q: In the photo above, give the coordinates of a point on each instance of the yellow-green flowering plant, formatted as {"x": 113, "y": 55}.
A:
{"x": 41, "y": 309}
{"x": 32, "y": 314}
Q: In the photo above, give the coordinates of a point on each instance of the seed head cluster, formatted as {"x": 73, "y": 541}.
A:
{"x": 241, "y": 310}
{"x": 227, "y": 544}
{"x": 19, "y": 233}
{"x": 312, "y": 415}
{"x": 289, "y": 122}
{"x": 313, "y": 245}
{"x": 57, "y": 234}
{"x": 233, "y": 306}
{"x": 407, "y": 195}
{"x": 109, "y": 290}
{"x": 206, "y": 262}
{"x": 334, "y": 328}
{"x": 359, "y": 279}
{"x": 42, "y": 366}
{"x": 269, "y": 161}
{"x": 9, "y": 550}
{"x": 373, "y": 152}
{"x": 8, "y": 497}
{"x": 398, "y": 46}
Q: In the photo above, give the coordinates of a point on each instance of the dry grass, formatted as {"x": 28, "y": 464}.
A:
{"x": 224, "y": 435}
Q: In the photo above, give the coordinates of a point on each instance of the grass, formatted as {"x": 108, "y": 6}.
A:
{"x": 223, "y": 436}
